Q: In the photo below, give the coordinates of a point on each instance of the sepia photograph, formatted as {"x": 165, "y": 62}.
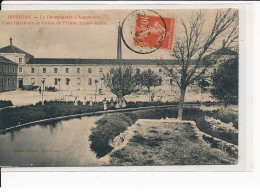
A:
{"x": 122, "y": 87}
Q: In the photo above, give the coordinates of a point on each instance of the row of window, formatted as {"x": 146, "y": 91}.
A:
{"x": 67, "y": 70}
{"x": 57, "y": 80}
{"x": 8, "y": 82}
{"x": 9, "y": 69}
{"x": 149, "y": 70}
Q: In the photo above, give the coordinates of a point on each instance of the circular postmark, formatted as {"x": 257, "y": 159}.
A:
{"x": 143, "y": 31}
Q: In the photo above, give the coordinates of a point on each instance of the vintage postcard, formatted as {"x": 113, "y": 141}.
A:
{"x": 122, "y": 87}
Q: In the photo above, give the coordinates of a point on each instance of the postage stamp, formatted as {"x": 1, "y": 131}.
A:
{"x": 154, "y": 32}
{"x": 145, "y": 31}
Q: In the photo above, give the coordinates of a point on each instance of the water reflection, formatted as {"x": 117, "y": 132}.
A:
{"x": 12, "y": 136}
{"x": 54, "y": 143}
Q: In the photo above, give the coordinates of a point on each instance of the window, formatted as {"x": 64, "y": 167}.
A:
{"x": 78, "y": 70}
{"x": 2, "y": 82}
{"x": 160, "y": 81}
{"x": 2, "y": 69}
{"x": 78, "y": 81}
{"x": 44, "y": 70}
{"x": 32, "y": 81}
{"x": 8, "y": 81}
{"x": 32, "y": 70}
{"x": 89, "y": 81}
{"x": 13, "y": 69}
{"x": 20, "y": 69}
{"x": 100, "y": 70}
{"x": 160, "y": 70}
{"x": 171, "y": 81}
{"x": 67, "y": 70}
{"x": 14, "y": 81}
{"x": 55, "y": 70}
{"x": 55, "y": 81}
{"x": 20, "y": 60}
{"x": 138, "y": 71}
{"x": 8, "y": 69}
{"x": 89, "y": 70}
{"x": 67, "y": 81}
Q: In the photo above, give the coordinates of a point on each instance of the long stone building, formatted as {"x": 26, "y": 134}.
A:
{"x": 19, "y": 68}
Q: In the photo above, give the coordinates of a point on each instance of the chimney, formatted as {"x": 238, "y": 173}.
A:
{"x": 119, "y": 49}
{"x": 11, "y": 41}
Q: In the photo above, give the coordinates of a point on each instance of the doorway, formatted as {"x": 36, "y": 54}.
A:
{"x": 20, "y": 83}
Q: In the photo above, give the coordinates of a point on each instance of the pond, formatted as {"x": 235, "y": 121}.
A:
{"x": 60, "y": 143}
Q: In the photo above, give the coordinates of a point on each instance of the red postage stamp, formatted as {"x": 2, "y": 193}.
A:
{"x": 154, "y": 32}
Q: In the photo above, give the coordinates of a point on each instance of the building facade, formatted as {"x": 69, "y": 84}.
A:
{"x": 23, "y": 69}
{"x": 8, "y": 75}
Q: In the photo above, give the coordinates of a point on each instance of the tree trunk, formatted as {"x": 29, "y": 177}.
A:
{"x": 181, "y": 103}
{"x": 149, "y": 94}
{"x": 96, "y": 94}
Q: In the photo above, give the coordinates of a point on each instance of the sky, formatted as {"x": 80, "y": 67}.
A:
{"x": 86, "y": 41}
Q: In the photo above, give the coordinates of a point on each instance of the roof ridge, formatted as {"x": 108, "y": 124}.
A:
{"x": 13, "y": 48}
{"x": 21, "y": 50}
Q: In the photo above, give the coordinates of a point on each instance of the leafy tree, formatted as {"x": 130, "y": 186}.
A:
{"x": 122, "y": 81}
{"x": 204, "y": 84}
{"x": 225, "y": 81}
{"x": 195, "y": 42}
{"x": 150, "y": 79}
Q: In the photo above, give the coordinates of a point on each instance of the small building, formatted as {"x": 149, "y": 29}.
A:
{"x": 8, "y": 74}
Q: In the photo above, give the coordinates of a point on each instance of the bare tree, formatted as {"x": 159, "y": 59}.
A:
{"x": 199, "y": 47}
{"x": 122, "y": 81}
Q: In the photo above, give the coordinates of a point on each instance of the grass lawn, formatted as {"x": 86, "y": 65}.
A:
{"x": 167, "y": 143}
{"x": 19, "y": 115}
{"x": 24, "y": 114}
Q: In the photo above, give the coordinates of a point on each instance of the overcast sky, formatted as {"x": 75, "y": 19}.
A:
{"x": 80, "y": 41}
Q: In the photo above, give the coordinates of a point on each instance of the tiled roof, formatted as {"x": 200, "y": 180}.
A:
{"x": 13, "y": 49}
{"x": 4, "y": 60}
{"x": 99, "y": 61}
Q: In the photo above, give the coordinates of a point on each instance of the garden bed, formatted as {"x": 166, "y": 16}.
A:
{"x": 111, "y": 125}
{"x": 166, "y": 142}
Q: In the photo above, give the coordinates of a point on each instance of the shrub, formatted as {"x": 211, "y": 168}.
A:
{"x": 222, "y": 130}
{"x": 51, "y": 109}
{"x": 113, "y": 124}
{"x": 106, "y": 130}
{"x": 224, "y": 115}
{"x": 227, "y": 115}
{"x": 5, "y": 103}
